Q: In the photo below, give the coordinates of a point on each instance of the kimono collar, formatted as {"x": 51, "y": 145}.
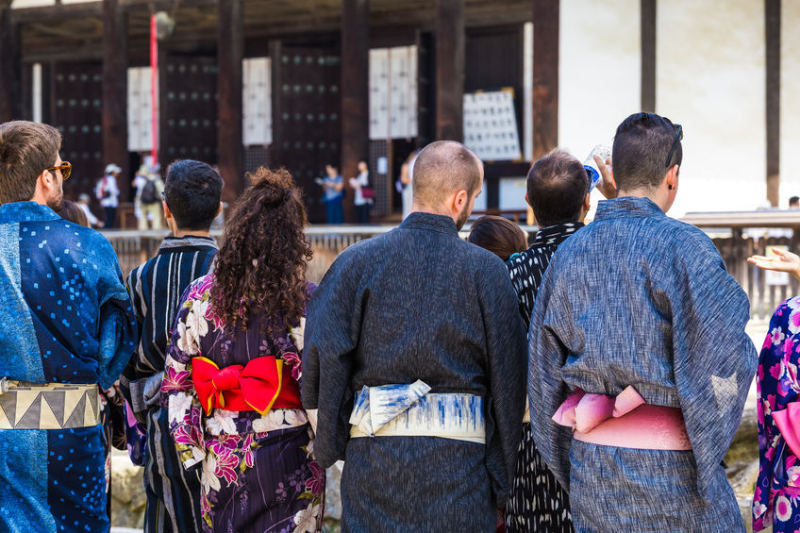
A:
{"x": 26, "y": 212}
{"x": 555, "y": 234}
{"x": 430, "y": 222}
{"x": 187, "y": 241}
{"x": 627, "y": 207}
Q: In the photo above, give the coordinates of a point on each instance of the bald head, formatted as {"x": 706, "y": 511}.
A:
{"x": 442, "y": 169}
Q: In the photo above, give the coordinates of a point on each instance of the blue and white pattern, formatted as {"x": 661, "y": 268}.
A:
{"x": 65, "y": 318}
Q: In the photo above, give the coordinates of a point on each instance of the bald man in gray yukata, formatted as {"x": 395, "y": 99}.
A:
{"x": 415, "y": 356}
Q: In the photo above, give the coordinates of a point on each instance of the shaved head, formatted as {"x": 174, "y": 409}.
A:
{"x": 443, "y": 168}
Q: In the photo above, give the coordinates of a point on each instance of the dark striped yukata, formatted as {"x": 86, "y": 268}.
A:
{"x": 155, "y": 287}
{"x": 537, "y": 502}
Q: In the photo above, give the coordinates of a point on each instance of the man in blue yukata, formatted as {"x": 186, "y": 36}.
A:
{"x": 66, "y": 327}
{"x": 639, "y": 360}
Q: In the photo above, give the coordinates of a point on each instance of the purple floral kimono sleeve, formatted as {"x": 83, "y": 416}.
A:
{"x": 177, "y": 389}
{"x": 776, "y": 500}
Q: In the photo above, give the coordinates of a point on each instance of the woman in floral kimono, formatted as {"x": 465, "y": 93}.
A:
{"x": 234, "y": 365}
{"x": 776, "y": 501}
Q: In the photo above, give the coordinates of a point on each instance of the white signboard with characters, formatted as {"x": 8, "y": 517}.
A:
{"x": 490, "y": 125}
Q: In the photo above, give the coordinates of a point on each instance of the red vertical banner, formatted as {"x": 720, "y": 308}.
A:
{"x": 154, "y": 85}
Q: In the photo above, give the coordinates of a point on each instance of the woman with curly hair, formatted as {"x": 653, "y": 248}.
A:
{"x": 233, "y": 370}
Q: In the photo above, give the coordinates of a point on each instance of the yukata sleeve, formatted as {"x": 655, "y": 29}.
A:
{"x": 507, "y": 357}
{"x": 546, "y": 389}
{"x": 714, "y": 359}
{"x": 332, "y": 330}
{"x": 771, "y": 367}
{"x": 177, "y": 388}
{"x": 118, "y": 331}
{"x": 131, "y": 382}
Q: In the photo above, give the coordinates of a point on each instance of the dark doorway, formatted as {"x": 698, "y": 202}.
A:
{"x": 306, "y": 110}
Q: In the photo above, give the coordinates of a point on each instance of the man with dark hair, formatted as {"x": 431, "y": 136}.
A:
{"x": 413, "y": 339}
{"x": 794, "y": 202}
{"x": 558, "y": 193}
{"x": 639, "y": 360}
{"x": 191, "y": 201}
{"x": 66, "y": 326}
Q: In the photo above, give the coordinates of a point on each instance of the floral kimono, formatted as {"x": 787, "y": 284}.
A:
{"x": 258, "y": 471}
{"x": 777, "y": 495}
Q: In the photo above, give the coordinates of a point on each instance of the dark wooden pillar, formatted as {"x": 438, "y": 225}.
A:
{"x": 545, "y": 76}
{"x": 355, "y": 91}
{"x": 648, "y": 29}
{"x": 115, "y": 88}
{"x": 772, "y": 15}
{"x": 450, "y": 39}
{"x": 10, "y": 66}
{"x": 230, "y": 49}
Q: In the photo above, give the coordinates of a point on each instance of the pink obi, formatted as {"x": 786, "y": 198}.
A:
{"x": 624, "y": 421}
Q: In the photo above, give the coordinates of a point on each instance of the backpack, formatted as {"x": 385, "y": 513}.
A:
{"x": 148, "y": 195}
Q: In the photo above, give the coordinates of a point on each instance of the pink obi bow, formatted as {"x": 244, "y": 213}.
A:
{"x": 583, "y": 412}
{"x": 788, "y": 424}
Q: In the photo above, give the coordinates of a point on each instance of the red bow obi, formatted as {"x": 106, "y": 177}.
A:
{"x": 262, "y": 384}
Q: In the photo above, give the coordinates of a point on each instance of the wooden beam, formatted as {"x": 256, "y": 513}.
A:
{"x": 545, "y": 76}
{"x": 58, "y": 12}
{"x": 230, "y": 49}
{"x": 450, "y": 39}
{"x": 115, "y": 87}
{"x": 648, "y": 30}
{"x": 10, "y": 66}
{"x": 276, "y": 75}
{"x": 355, "y": 91}
{"x": 772, "y": 16}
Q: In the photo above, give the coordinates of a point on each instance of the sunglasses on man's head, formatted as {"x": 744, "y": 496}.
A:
{"x": 678, "y": 133}
{"x": 65, "y": 167}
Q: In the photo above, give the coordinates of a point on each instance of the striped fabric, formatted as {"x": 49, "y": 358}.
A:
{"x": 537, "y": 502}
{"x": 156, "y": 287}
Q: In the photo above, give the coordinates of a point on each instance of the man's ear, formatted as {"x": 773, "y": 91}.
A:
{"x": 672, "y": 177}
{"x": 587, "y": 202}
{"x": 167, "y": 210}
{"x": 219, "y": 210}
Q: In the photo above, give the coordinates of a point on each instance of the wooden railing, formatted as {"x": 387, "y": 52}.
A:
{"x": 732, "y": 233}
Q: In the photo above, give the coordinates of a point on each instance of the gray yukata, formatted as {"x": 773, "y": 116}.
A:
{"x": 417, "y": 303}
{"x": 637, "y": 298}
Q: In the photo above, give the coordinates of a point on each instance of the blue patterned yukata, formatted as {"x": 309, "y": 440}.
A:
{"x": 639, "y": 299}
{"x": 66, "y": 318}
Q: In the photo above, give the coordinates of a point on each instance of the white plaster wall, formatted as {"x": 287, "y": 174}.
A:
{"x": 790, "y": 103}
{"x": 710, "y": 78}
{"x": 599, "y": 71}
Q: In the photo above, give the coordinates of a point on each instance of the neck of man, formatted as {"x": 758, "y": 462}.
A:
{"x": 417, "y": 207}
{"x": 657, "y": 196}
{"x": 191, "y": 232}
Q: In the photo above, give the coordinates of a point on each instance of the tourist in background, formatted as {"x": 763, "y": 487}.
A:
{"x": 364, "y": 192}
{"x": 83, "y": 205}
{"x": 149, "y": 197}
{"x": 333, "y": 185}
{"x": 107, "y": 192}
{"x": 405, "y": 326}
{"x": 498, "y": 235}
{"x": 233, "y": 370}
{"x": 775, "y": 502}
{"x": 66, "y": 327}
{"x": 191, "y": 203}
{"x": 405, "y": 184}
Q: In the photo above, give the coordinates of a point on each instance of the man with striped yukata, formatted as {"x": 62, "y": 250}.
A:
{"x": 191, "y": 201}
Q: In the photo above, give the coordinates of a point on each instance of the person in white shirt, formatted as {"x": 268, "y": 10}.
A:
{"x": 108, "y": 193}
{"x": 83, "y": 204}
{"x": 364, "y": 192}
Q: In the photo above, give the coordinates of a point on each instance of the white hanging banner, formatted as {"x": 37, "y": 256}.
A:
{"x": 140, "y": 106}
{"x": 490, "y": 125}
{"x": 256, "y": 102}
{"x": 393, "y": 93}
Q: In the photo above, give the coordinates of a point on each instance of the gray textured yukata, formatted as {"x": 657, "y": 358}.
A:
{"x": 417, "y": 303}
{"x": 637, "y": 298}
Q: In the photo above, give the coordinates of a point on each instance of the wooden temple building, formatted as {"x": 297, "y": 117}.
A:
{"x": 304, "y": 83}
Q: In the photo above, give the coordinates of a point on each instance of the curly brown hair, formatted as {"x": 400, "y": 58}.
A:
{"x": 261, "y": 265}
